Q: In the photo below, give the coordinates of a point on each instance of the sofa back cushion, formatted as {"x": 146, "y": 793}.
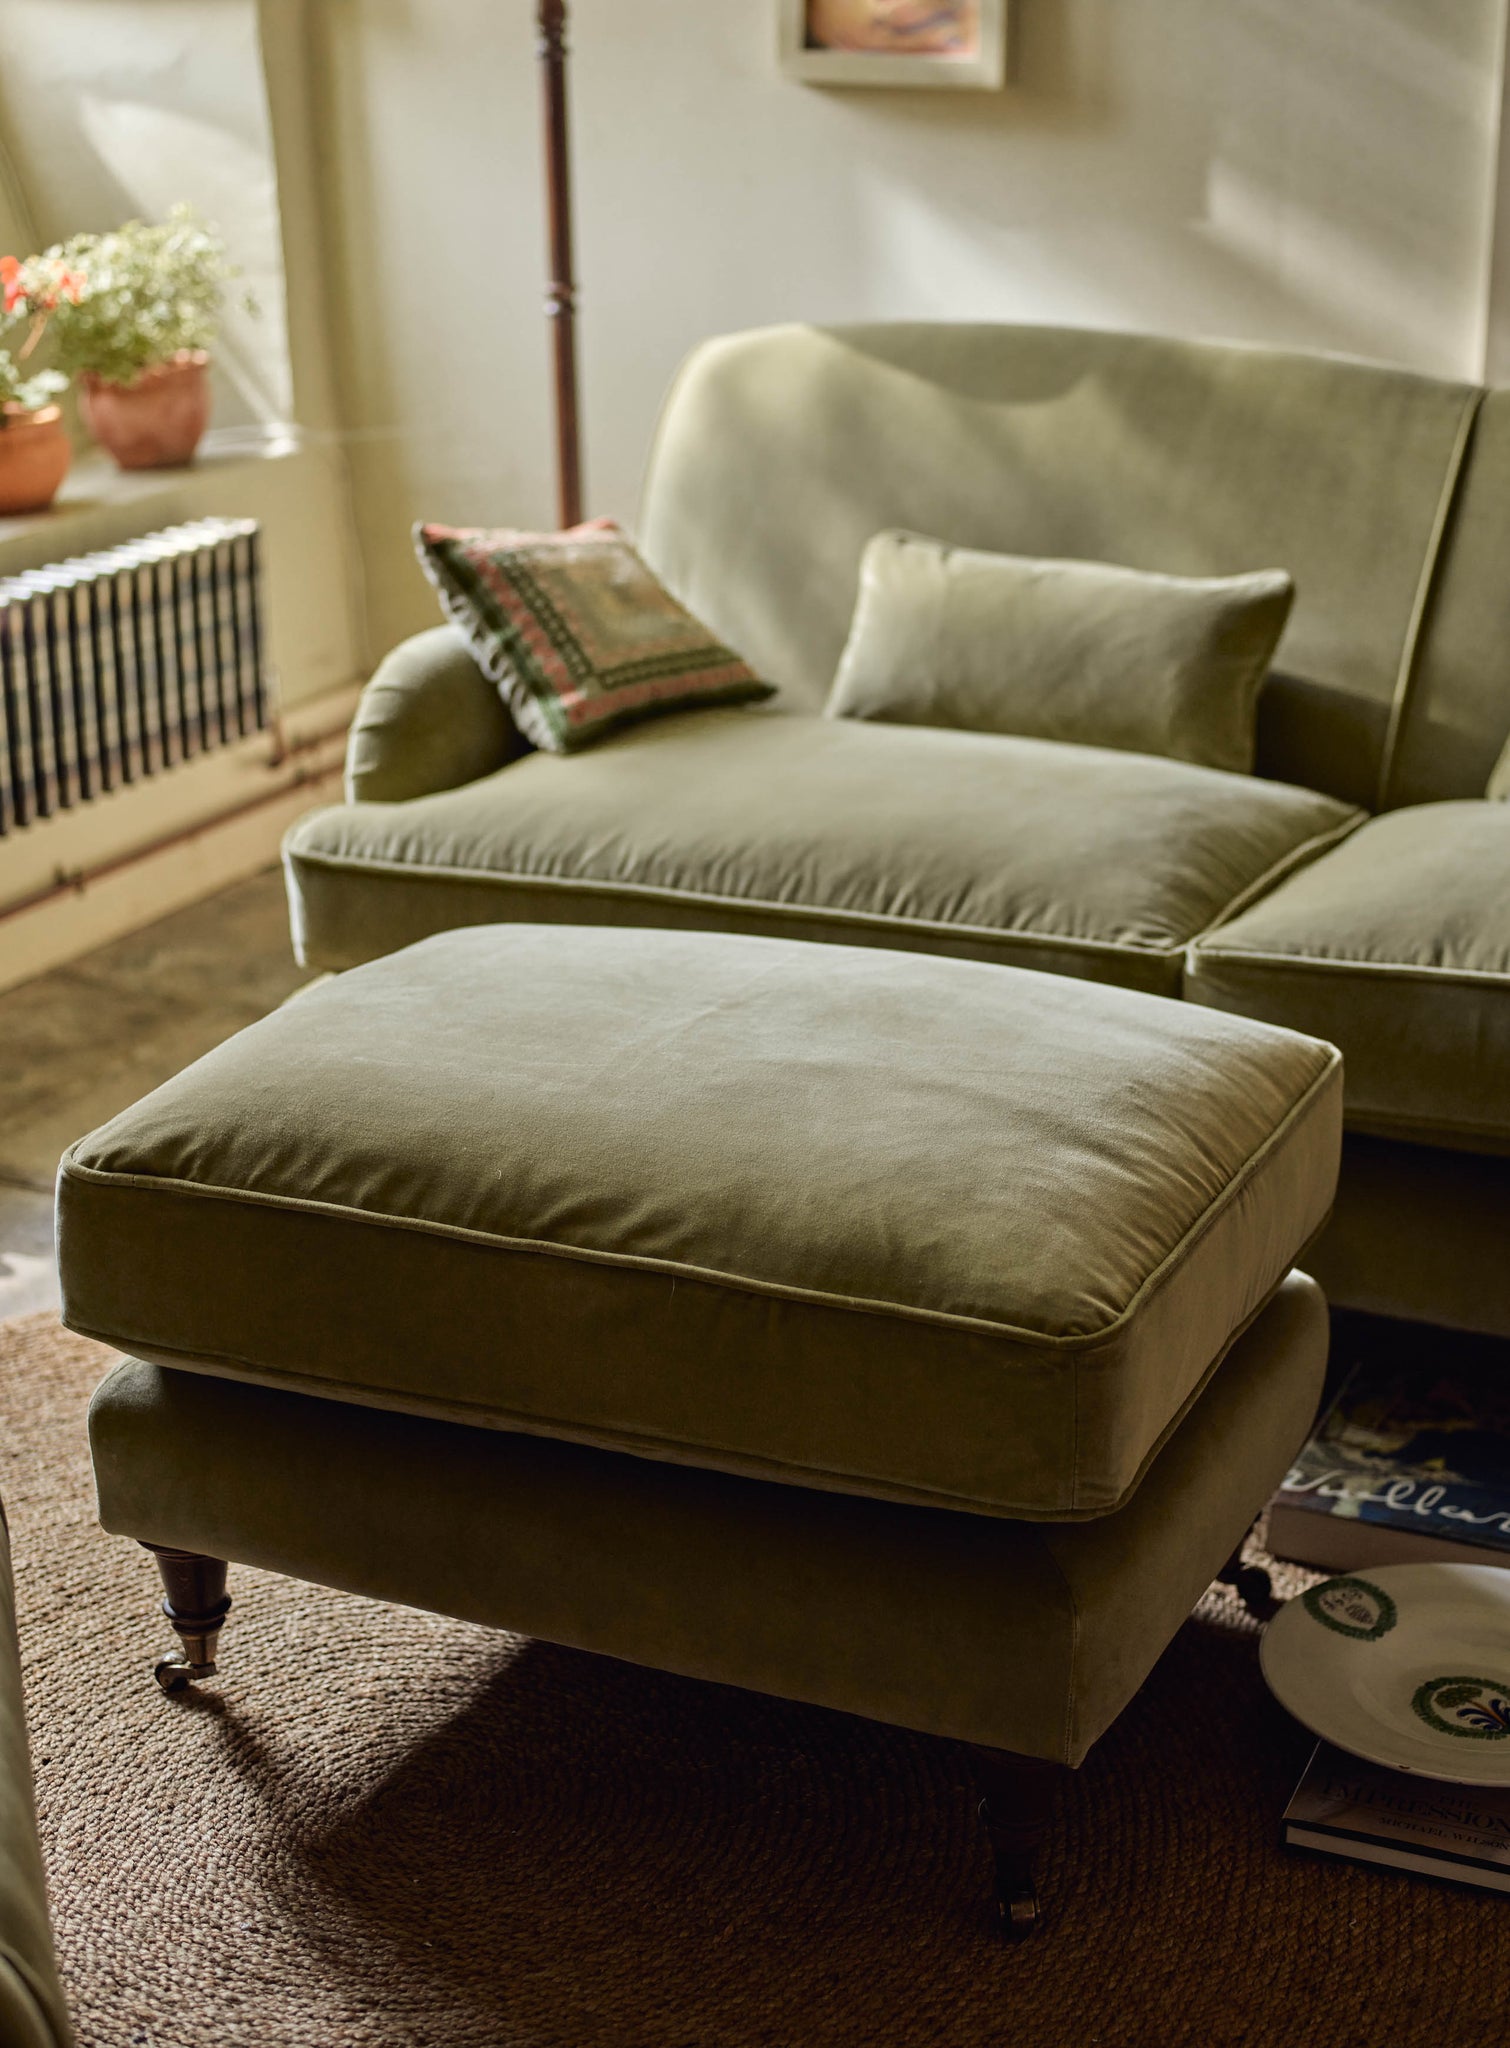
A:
{"x": 1083, "y": 652}
{"x": 782, "y": 452}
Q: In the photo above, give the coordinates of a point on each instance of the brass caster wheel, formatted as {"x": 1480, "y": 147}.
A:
{"x": 1019, "y": 1913}
{"x": 174, "y": 1673}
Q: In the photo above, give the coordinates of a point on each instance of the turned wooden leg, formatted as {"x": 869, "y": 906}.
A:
{"x": 1017, "y": 1807}
{"x": 1252, "y": 1585}
{"x": 196, "y": 1602}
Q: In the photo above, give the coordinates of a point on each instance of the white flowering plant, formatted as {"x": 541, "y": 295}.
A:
{"x": 150, "y": 291}
{"x": 23, "y": 391}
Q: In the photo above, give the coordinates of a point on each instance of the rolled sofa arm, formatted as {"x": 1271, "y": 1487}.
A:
{"x": 428, "y": 720}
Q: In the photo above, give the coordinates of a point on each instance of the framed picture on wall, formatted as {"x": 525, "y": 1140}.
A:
{"x": 895, "y": 42}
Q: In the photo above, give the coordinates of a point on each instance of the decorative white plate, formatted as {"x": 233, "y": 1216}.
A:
{"x": 1407, "y": 1666}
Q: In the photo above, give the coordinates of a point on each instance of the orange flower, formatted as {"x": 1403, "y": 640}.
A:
{"x": 10, "y": 277}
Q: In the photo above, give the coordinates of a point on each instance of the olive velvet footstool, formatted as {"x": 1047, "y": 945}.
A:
{"x": 902, "y": 1334}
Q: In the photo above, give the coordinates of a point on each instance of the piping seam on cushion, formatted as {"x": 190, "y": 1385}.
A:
{"x": 1388, "y": 970}
{"x": 1077, "y": 1341}
{"x": 880, "y": 919}
{"x": 622, "y": 1440}
{"x": 1426, "y": 585}
{"x": 1309, "y": 850}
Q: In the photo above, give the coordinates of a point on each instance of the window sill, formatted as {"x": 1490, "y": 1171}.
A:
{"x": 100, "y": 504}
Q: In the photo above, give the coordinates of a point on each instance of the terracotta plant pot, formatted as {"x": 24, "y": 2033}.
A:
{"x": 154, "y": 422}
{"x": 34, "y": 458}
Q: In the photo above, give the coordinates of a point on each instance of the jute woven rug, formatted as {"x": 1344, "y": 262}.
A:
{"x": 384, "y": 1828}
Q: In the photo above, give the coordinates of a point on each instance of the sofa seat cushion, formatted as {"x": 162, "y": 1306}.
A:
{"x": 1396, "y": 947}
{"x": 1076, "y": 860}
{"x": 911, "y": 1227}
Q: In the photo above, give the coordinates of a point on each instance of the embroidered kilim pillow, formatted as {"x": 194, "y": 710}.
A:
{"x": 576, "y": 632}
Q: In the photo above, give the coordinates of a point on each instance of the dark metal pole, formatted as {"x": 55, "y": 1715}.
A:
{"x": 561, "y": 292}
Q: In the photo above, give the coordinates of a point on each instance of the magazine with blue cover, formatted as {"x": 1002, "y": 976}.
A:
{"x": 1411, "y": 1463}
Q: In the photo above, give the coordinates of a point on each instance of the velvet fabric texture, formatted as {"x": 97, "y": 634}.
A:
{"x": 1029, "y": 1636}
{"x": 32, "y": 2009}
{"x": 1419, "y": 1232}
{"x": 782, "y": 453}
{"x": 910, "y": 1227}
{"x": 1453, "y": 706}
{"x": 1396, "y": 948}
{"x": 1078, "y": 860}
{"x": 576, "y": 632}
{"x": 1078, "y": 651}
{"x": 428, "y": 720}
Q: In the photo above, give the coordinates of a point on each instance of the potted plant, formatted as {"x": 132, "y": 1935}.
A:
{"x": 34, "y": 449}
{"x": 138, "y": 337}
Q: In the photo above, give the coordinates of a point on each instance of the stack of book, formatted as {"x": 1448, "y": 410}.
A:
{"x": 1409, "y": 1465}
{"x": 1343, "y": 1807}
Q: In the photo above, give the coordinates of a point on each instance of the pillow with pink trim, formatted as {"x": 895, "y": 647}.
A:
{"x": 576, "y": 632}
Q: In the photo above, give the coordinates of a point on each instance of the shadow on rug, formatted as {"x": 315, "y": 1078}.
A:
{"x": 387, "y": 1830}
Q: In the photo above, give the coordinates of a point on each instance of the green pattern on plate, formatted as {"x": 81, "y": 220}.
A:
{"x": 1352, "y": 1607}
{"x": 1476, "y": 1708}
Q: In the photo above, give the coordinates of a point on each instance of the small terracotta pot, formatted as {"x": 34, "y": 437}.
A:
{"x": 34, "y": 458}
{"x": 154, "y": 422}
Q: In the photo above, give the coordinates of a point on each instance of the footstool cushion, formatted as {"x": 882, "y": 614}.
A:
{"x": 1028, "y": 1636}
{"x": 917, "y": 1228}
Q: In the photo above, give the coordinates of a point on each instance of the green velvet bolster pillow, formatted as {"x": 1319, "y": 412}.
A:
{"x": 1078, "y": 651}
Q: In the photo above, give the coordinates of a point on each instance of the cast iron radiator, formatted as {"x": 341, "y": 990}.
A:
{"x": 123, "y": 663}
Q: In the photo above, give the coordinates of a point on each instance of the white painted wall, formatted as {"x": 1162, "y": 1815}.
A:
{"x": 1317, "y": 172}
{"x": 111, "y": 109}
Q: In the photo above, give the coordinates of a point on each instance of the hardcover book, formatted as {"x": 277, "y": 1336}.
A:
{"x": 1345, "y": 1807}
{"x": 1409, "y": 1465}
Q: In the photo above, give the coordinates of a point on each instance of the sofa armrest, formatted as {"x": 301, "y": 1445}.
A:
{"x": 32, "y": 2008}
{"x": 428, "y": 720}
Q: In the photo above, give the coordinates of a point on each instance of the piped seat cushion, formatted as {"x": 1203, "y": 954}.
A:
{"x": 1077, "y": 860}
{"x": 1396, "y": 947}
{"x": 926, "y": 1618}
{"x": 915, "y": 1228}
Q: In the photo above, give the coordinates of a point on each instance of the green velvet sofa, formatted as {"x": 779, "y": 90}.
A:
{"x": 1357, "y": 887}
{"x": 33, "y": 2013}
